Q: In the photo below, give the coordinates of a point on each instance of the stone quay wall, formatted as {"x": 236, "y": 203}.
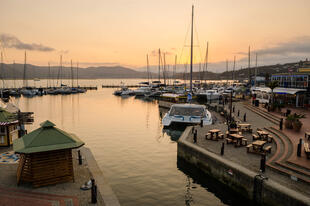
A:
{"x": 247, "y": 183}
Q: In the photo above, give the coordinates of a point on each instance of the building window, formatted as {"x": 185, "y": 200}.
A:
{"x": 1, "y": 139}
{"x": 2, "y": 129}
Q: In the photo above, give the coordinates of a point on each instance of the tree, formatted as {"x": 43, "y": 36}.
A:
{"x": 272, "y": 85}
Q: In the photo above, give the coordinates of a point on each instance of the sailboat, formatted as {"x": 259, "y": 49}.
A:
{"x": 188, "y": 114}
{"x": 26, "y": 90}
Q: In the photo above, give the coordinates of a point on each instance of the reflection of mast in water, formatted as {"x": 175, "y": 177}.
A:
{"x": 147, "y": 115}
{"x": 188, "y": 196}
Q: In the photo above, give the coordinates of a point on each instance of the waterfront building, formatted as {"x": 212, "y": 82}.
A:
{"x": 46, "y": 155}
{"x": 8, "y": 128}
{"x": 294, "y": 87}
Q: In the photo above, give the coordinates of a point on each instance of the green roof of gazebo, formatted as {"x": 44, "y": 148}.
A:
{"x": 6, "y": 117}
{"x": 46, "y": 138}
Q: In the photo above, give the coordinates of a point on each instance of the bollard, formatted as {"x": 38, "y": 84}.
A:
{"x": 244, "y": 117}
{"x": 263, "y": 163}
{"x": 222, "y": 148}
{"x": 195, "y": 136}
{"x": 201, "y": 122}
{"x": 281, "y": 123}
{"x": 93, "y": 191}
{"x": 238, "y": 112}
{"x": 80, "y": 157}
{"x": 299, "y": 148}
{"x": 233, "y": 109}
{"x": 193, "y": 129}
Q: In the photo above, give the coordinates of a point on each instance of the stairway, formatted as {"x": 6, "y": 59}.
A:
{"x": 16, "y": 197}
{"x": 278, "y": 161}
{"x": 262, "y": 113}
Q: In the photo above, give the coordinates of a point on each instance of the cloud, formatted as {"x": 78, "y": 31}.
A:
{"x": 10, "y": 41}
{"x": 299, "y": 45}
{"x": 154, "y": 53}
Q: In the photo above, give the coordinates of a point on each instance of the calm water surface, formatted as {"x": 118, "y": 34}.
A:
{"x": 127, "y": 139}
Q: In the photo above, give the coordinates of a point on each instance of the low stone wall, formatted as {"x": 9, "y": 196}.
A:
{"x": 108, "y": 196}
{"x": 242, "y": 180}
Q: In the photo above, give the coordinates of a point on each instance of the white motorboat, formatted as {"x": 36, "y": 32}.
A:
{"x": 141, "y": 91}
{"x": 210, "y": 94}
{"x": 187, "y": 114}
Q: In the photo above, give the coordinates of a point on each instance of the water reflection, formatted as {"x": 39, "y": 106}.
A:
{"x": 211, "y": 184}
{"x": 129, "y": 144}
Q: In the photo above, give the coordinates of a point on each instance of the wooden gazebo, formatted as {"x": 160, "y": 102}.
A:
{"x": 46, "y": 155}
{"x": 8, "y": 128}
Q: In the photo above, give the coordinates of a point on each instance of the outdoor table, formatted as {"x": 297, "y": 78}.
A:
{"x": 263, "y": 135}
{"x": 238, "y": 139}
{"x": 233, "y": 131}
{"x": 307, "y": 135}
{"x": 245, "y": 126}
{"x": 258, "y": 145}
{"x": 214, "y": 131}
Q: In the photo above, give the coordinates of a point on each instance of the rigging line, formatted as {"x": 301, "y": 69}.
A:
{"x": 186, "y": 35}
{"x": 196, "y": 32}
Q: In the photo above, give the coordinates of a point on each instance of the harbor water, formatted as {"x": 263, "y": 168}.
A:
{"x": 126, "y": 136}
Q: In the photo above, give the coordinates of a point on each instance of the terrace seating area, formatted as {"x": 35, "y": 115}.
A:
{"x": 235, "y": 136}
{"x": 280, "y": 148}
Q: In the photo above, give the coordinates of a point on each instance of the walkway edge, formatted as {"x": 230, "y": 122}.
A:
{"x": 108, "y": 196}
{"x": 239, "y": 178}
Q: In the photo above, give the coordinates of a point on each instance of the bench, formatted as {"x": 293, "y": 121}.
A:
{"x": 255, "y": 137}
{"x": 307, "y": 150}
{"x": 267, "y": 149}
{"x": 229, "y": 141}
{"x": 221, "y": 136}
{"x": 248, "y": 147}
{"x": 270, "y": 138}
{"x": 244, "y": 141}
{"x": 207, "y": 135}
{"x": 227, "y": 134}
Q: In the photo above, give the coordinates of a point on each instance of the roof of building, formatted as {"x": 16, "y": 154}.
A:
{"x": 282, "y": 90}
{"x": 46, "y": 138}
{"x": 7, "y": 117}
{"x": 290, "y": 74}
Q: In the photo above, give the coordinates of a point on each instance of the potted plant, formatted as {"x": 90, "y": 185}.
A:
{"x": 289, "y": 121}
{"x": 297, "y": 124}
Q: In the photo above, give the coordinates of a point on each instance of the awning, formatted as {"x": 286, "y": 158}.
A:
{"x": 281, "y": 90}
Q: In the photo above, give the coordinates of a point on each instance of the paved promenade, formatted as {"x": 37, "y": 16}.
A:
{"x": 61, "y": 194}
{"x": 252, "y": 161}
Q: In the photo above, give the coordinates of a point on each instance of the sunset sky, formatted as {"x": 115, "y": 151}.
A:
{"x": 122, "y": 32}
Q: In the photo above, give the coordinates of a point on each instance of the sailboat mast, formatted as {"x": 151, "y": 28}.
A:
{"x": 2, "y": 70}
{"x": 71, "y": 75}
{"x": 164, "y": 69}
{"x": 147, "y": 69}
{"x": 77, "y": 74}
{"x": 175, "y": 68}
{"x": 49, "y": 74}
{"x": 192, "y": 39}
{"x": 14, "y": 75}
{"x": 227, "y": 70}
{"x": 207, "y": 54}
{"x": 158, "y": 64}
{"x": 25, "y": 68}
{"x": 233, "y": 74}
{"x": 249, "y": 64}
{"x": 255, "y": 69}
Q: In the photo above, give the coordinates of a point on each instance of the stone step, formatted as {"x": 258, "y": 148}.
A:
{"x": 263, "y": 112}
{"x": 263, "y": 115}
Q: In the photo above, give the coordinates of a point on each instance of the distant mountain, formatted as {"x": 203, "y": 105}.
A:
{"x": 42, "y": 72}
{"x": 17, "y": 71}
